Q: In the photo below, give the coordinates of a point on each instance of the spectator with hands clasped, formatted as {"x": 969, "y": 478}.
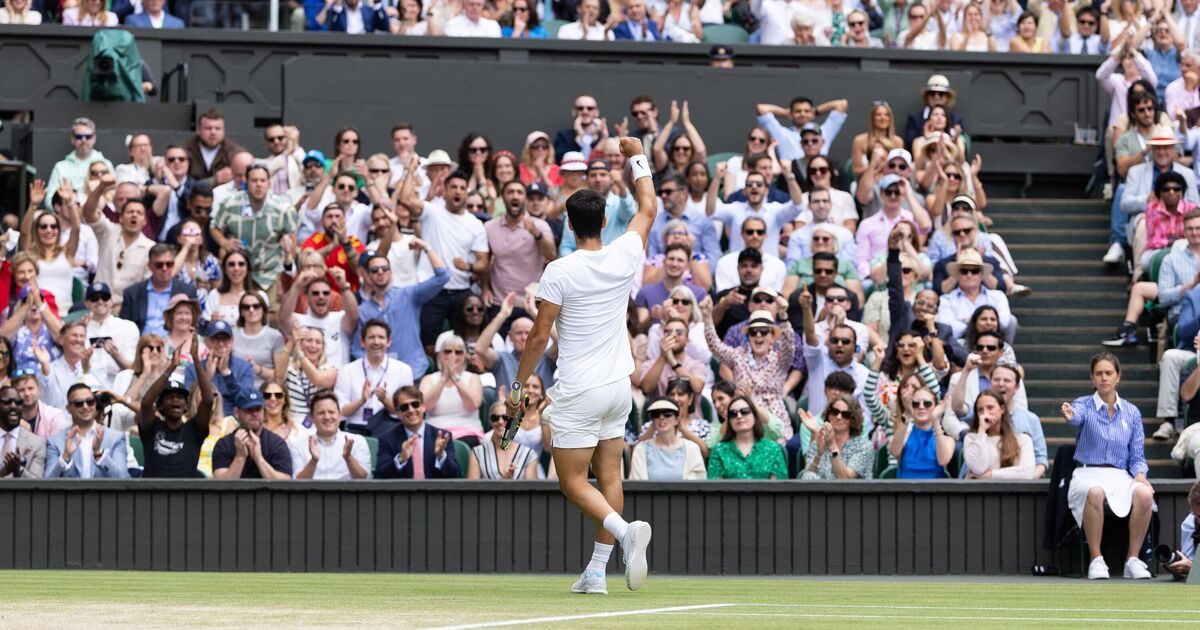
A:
{"x": 918, "y": 443}
{"x": 331, "y": 453}
{"x": 251, "y": 452}
{"x": 87, "y": 450}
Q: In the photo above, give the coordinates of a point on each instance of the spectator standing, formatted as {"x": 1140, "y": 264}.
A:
{"x": 337, "y": 248}
{"x": 260, "y": 223}
{"x": 1090, "y": 36}
{"x": 743, "y": 452}
{"x": 210, "y": 153}
{"x": 22, "y": 452}
{"x": 74, "y": 166}
{"x": 588, "y": 127}
{"x": 1110, "y": 467}
{"x": 414, "y": 449}
{"x": 145, "y": 304}
{"x": 502, "y": 362}
{"x": 774, "y": 215}
{"x": 114, "y": 338}
{"x": 520, "y": 245}
{"x": 251, "y": 452}
{"x": 41, "y": 237}
{"x": 802, "y": 112}
{"x": 331, "y": 453}
{"x": 836, "y": 355}
{"x": 87, "y": 450}
{"x": 400, "y": 307}
{"x": 754, "y": 233}
{"x": 702, "y": 233}
{"x": 619, "y": 206}
{"x": 172, "y": 448}
{"x": 336, "y": 325}
{"x": 153, "y": 15}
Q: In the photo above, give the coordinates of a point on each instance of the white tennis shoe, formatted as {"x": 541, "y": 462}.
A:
{"x": 591, "y": 583}
{"x": 1098, "y": 569}
{"x": 637, "y": 539}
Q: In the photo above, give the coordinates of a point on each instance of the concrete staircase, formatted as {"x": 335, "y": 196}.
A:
{"x": 1077, "y": 302}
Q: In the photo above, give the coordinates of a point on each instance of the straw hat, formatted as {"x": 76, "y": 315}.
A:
{"x": 969, "y": 258}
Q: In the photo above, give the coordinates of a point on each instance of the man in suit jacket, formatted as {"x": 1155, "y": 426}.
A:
{"x": 413, "y": 449}
{"x": 87, "y": 450}
{"x": 637, "y": 26}
{"x": 210, "y": 139}
{"x": 147, "y": 303}
{"x": 374, "y": 19}
{"x": 937, "y": 92}
{"x": 22, "y": 454}
{"x": 152, "y": 11}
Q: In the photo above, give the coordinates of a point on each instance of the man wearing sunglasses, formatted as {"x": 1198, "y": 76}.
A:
{"x": 801, "y": 112}
{"x": 975, "y": 377}
{"x": 145, "y": 303}
{"x": 114, "y": 338}
{"x": 22, "y": 453}
{"x": 414, "y": 449}
{"x": 251, "y": 452}
{"x": 87, "y": 450}
{"x": 1090, "y": 32}
{"x": 754, "y": 235}
{"x": 673, "y": 194}
{"x": 835, "y": 354}
{"x": 1139, "y": 189}
{"x": 400, "y": 307}
{"x": 587, "y": 128}
{"x": 774, "y": 214}
{"x": 74, "y": 166}
{"x": 957, "y": 306}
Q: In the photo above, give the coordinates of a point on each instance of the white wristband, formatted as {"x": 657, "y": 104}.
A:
{"x": 640, "y": 169}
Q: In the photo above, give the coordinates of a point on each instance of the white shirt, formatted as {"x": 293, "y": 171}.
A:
{"x": 955, "y": 309}
{"x": 337, "y": 347}
{"x": 462, "y": 26}
{"x": 124, "y": 334}
{"x": 398, "y": 170}
{"x": 574, "y": 30}
{"x": 332, "y": 465}
{"x": 776, "y": 18}
{"x": 354, "y": 21}
{"x": 774, "y": 214}
{"x": 926, "y": 40}
{"x": 774, "y": 272}
{"x": 842, "y": 208}
{"x": 87, "y": 461}
{"x": 390, "y": 375}
{"x": 208, "y": 155}
{"x": 451, "y": 236}
{"x": 592, "y": 289}
{"x": 820, "y": 366}
{"x": 403, "y": 259}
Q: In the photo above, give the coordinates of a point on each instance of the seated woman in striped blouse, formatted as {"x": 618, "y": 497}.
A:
{"x": 1110, "y": 467}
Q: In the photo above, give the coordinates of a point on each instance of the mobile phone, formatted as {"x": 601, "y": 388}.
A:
{"x": 98, "y": 342}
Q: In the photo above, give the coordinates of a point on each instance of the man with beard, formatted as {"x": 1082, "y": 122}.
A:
{"x": 250, "y": 452}
{"x": 520, "y": 246}
{"x": 339, "y": 249}
{"x": 538, "y": 204}
{"x": 337, "y": 325}
{"x": 209, "y": 152}
{"x": 22, "y": 452}
{"x": 171, "y": 447}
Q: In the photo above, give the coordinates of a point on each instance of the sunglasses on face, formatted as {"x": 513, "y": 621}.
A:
{"x": 755, "y": 184}
{"x": 84, "y": 136}
{"x": 478, "y": 149}
{"x": 378, "y": 171}
{"x": 954, "y": 176}
{"x": 754, "y": 232}
{"x": 402, "y": 407}
{"x": 756, "y": 139}
{"x": 892, "y": 192}
{"x": 378, "y": 269}
{"x": 1087, "y": 22}
{"x": 319, "y": 293}
{"x": 758, "y": 332}
{"x": 668, "y": 191}
{"x": 1166, "y": 189}
{"x": 740, "y": 411}
{"x": 86, "y": 402}
{"x": 823, "y": 271}
{"x": 922, "y": 404}
{"x": 655, "y": 415}
{"x": 539, "y": 147}
{"x": 253, "y": 306}
{"x": 906, "y": 270}
{"x": 810, "y": 141}
{"x": 819, "y": 170}
{"x": 681, "y": 149}
{"x": 164, "y": 264}
{"x": 962, "y": 231}
{"x": 857, "y": 23}
{"x": 349, "y": 140}
{"x": 970, "y": 271}
{"x": 473, "y": 206}
{"x": 154, "y": 348}
{"x": 275, "y": 138}
{"x": 836, "y": 298}
{"x": 100, "y": 297}
{"x": 821, "y": 239}
{"x": 272, "y": 395}
{"x": 500, "y": 417}
{"x": 10, "y": 401}
{"x": 350, "y": 187}
{"x": 99, "y": 173}
{"x": 47, "y": 226}
{"x": 841, "y": 413}
{"x": 586, "y": 108}
{"x": 762, "y": 299}
{"x": 680, "y": 302}
{"x": 986, "y": 347}
{"x": 841, "y": 341}
{"x": 176, "y": 158}
{"x": 898, "y": 165}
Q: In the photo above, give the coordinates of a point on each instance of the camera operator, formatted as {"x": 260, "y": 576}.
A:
{"x": 1189, "y": 537}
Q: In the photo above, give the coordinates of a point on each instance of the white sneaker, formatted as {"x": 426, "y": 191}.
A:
{"x": 1115, "y": 254}
{"x": 637, "y": 539}
{"x": 1166, "y": 431}
{"x": 1108, "y": 191}
{"x": 1135, "y": 569}
{"x": 1098, "y": 570}
{"x": 591, "y": 583}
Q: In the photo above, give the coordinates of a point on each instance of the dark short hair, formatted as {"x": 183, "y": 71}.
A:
{"x": 750, "y": 254}
{"x": 374, "y": 323}
{"x": 402, "y": 127}
{"x": 212, "y": 114}
{"x": 1089, "y": 10}
{"x": 1170, "y": 177}
{"x": 841, "y": 382}
{"x": 408, "y": 391}
{"x": 1105, "y": 356}
{"x": 687, "y": 251}
{"x": 323, "y": 394}
{"x": 585, "y": 211}
{"x": 990, "y": 333}
{"x": 825, "y": 257}
{"x": 201, "y": 189}
{"x": 78, "y": 386}
{"x": 676, "y": 178}
{"x": 755, "y": 219}
{"x": 457, "y": 174}
{"x": 754, "y": 158}
{"x": 511, "y": 182}
{"x": 159, "y": 249}
{"x": 800, "y": 100}
{"x": 1011, "y": 368}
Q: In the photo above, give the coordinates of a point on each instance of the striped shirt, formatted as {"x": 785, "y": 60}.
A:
{"x": 1177, "y": 268}
{"x": 1117, "y": 441}
{"x": 489, "y": 463}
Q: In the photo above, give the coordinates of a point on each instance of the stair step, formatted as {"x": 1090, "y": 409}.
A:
{"x": 1060, "y": 251}
{"x": 1037, "y": 205}
{"x": 1042, "y": 236}
{"x": 1051, "y": 334}
{"x": 1079, "y": 269}
{"x": 1007, "y": 219}
{"x": 1028, "y": 315}
{"x": 1132, "y": 371}
{"x": 1072, "y": 299}
{"x": 1082, "y": 354}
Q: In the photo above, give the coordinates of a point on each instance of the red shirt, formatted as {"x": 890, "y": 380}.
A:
{"x": 337, "y": 257}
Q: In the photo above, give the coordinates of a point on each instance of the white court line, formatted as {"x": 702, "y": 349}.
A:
{"x": 619, "y": 613}
{"x": 911, "y": 607}
{"x": 944, "y": 617}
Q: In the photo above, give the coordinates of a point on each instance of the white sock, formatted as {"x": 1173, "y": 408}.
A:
{"x": 600, "y": 554}
{"x": 616, "y": 525}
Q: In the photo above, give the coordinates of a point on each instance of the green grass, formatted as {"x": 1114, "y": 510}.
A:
{"x": 37, "y": 599}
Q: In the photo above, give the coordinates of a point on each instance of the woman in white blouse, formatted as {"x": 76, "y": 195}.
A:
{"x": 331, "y": 453}
{"x": 452, "y": 394}
{"x": 89, "y": 13}
{"x": 18, "y": 12}
{"x": 992, "y": 449}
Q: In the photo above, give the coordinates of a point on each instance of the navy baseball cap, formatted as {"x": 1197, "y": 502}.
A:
{"x": 536, "y": 189}
{"x": 811, "y": 127}
{"x": 248, "y": 399}
{"x": 96, "y": 289}
{"x": 219, "y": 327}
{"x": 175, "y": 385}
{"x": 365, "y": 258}
{"x": 313, "y": 154}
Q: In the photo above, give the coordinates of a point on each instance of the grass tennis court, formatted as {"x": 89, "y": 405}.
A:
{"x": 37, "y": 599}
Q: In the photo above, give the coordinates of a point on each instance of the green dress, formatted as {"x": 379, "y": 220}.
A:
{"x": 765, "y": 459}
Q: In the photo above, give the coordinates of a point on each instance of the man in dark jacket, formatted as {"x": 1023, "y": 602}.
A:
{"x": 209, "y": 153}
{"x": 414, "y": 449}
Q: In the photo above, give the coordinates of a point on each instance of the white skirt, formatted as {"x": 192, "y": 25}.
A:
{"x": 1117, "y": 485}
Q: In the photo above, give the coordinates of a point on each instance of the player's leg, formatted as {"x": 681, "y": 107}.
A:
{"x": 606, "y": 463}
{"x": 572, "y": 466}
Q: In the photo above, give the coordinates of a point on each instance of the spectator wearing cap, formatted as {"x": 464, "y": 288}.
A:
{"x": 22, "y": 452}
{"x": 774, "y": 215}
{"x": 637, "y": 25}
{"x": 145, "y": 303}
{"x": 260, "y": 223}
{"x": 819, "y": 217}
{"x": 56, "y": 377}
{"x": 764, "y": 364}
{"x": 753, "y": 233}
{"x": 87, "y": 450}
{"x": 42, "y": 419}
{"x": 250, "y": 452}
{"x": 537, "y": 162}
{"x": 1139, "y": 184}
{"x": 720, "y": 56}
{"x": 944, "y": 242}
{"x": 413, "y": 448}
{"x": 968, "y": 273}
{"x": 331, "y": 453}
{"x": 339, "y": 249}
{"x": 172, "y": 448}
{"x": 400, "y": 307}
{"x": 114, "y": 338}
{"x": 312, "y": 171}
{"x": 666, "y": 455}
{"x": 802, "y": 113}
{"x": 733, "y": 305}
{"x": 765, "y": 299}
{"x": 538, "y": 204}
{"x": 835, "y": 354}
{"x": 210, "y": 153}
{"x": 673, "y": 193}
{"x": 884, "y": 162}
{"x": 124, "y": 249}
{"x": 471, "y": 22}
{"x": 587, "y": 128}
{"x": 873, "y": 231}
{"x": 74, "y": 166}
{"x": 521, "y": 247}
{"x": 619, "y": 206}
{"x": 229, "y": 373}
{"x": 937, "y": 91}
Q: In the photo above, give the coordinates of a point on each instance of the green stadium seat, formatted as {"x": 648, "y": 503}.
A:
{"x": 725, "y": 34}
{"x": 552, "y": 27}
{"x": 135, "y": 445}
{"x": 716, "y": 158}
{"x": 78, "y": 291}
{"x": 463, "y": 453}
{"x": 373, "y": 446}
{"x": 490, "y": 396}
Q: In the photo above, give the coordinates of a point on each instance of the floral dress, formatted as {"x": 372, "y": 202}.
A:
{"x": 766, "y": 376}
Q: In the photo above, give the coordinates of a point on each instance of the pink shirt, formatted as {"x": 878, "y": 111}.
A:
{"x": 872, "y": 238}
{"x": 516, "y": 261}
{"x": 1179, "y": 98}
{"x": 1163, "y": 227}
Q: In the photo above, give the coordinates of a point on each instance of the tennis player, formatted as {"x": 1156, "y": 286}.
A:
{"x": 586, "y": 294}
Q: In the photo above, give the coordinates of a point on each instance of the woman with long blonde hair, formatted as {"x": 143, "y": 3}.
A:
{"x": 881, "y": 130}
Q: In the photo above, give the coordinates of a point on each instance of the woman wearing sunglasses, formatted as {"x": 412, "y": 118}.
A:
{"x": 522, "y": 22}
{"x": 759, "y": 141}
{"x": 237, "y": 280}
{"x": 149, "y": 362}
{"x": 918, "y": 443}
{"x": 489, "y": 461}
{"x": 666, "y": 455}
{"x": 278, "y": 419}
{"x": 41, "y": 237}
{"x": 764, "y": 364}
{"x": 684, "y": 148}
{"x": 32, "y": 315}
{"x": 744, "y": 452}
{"x": 839, "y": 450}
{"x": 452, "y": 394}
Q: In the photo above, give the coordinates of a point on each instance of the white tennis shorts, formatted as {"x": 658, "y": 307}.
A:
{"x": 583, "y": 419}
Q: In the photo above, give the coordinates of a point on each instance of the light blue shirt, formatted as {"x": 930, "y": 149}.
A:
{"x": 775, "y": 215}
{"x": 955, "y": 309}
{"x": 699, "y": 225}
{"x": 1187, "y": 544}
{"x": 1024, "y": 421}
{"x": 789, "y": 137}
{"x": 402, "y": 310}
{"x": 1177, "y": 268}
{"x": 1115, "y": 441}
{"x": 156, "y": 303}
{"x": 618, "y": 211}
